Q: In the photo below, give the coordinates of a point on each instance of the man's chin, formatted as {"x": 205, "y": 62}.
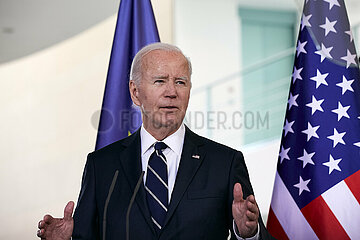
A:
{"x": 168, "y": 123}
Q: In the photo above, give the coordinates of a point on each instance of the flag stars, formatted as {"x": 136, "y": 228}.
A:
{"x": 337, "y": 137}
{"x": 292, "y": 101}
{"x": 341, "y": 111}
{"x": 288, "y": 127}
{"x": 324, "y": 52}
{"x": 302, "y": 185}
{"x": 345, "y": 85}
{"x": 296, "y": 74}
{"x": 311, "y": 131}
{"x": 320, "y": 78}
{"x": 315, "y": 105}
{"x": 350, "y": 34}
{"x": 305, "y": 21}
{"x": 306, "y": 158}
{"x": 284, "y": 154}
{"x": 300, "y": 48}
{"x": 328, "y": 26}
{"x": 332, "y": 3}
{"x": 333, "y": 164}
{"x": 349, "y": 58}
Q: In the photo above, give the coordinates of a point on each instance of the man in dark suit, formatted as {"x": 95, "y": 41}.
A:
{"x": 193, "y": 188}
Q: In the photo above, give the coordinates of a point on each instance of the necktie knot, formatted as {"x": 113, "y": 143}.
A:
{"x": 160, "y": 146}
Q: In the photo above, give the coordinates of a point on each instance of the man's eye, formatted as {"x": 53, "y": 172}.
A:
{"x": 180, "y": 82}
{"x": 158, "y": 81}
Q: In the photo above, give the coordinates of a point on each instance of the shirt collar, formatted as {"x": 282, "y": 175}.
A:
{"x": 175, "y": 141}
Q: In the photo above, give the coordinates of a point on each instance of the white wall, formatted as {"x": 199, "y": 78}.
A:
{"x": 47, "y": 100}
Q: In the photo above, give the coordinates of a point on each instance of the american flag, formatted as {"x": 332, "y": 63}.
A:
{"x": 317, "y": 185}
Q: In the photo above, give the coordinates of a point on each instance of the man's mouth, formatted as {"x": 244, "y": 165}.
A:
{"x": 169, "y": 107}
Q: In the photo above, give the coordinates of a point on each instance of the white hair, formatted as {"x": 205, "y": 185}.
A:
{"x": 136, "y": 66}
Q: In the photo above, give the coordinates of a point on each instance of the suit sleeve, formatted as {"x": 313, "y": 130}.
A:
{"x": 239, "y": 174}
{"x": 86, "y": 220}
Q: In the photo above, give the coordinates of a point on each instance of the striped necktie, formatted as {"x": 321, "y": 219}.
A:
{"x": 157, "y": 185}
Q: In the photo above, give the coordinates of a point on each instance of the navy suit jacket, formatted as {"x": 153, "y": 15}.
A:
{"x": 200, "y": 206}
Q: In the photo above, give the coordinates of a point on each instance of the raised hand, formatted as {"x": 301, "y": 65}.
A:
{"x": 51, "y": 228}
{"x": 245, "y": 213}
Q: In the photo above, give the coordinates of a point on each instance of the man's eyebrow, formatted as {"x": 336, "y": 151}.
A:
{"x": 182, "y": 78}
{"x": 161, "y": 77}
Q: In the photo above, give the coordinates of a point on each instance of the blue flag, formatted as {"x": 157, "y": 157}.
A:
{"x": 317, "y": 191}
{"x": 135, "y": 28}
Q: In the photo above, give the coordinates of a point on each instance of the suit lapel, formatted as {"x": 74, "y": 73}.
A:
{"x": 190, "y": 161}
{"x": 130, "y": 160}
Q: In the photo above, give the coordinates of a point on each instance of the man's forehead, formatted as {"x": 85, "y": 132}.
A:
{"x": 158, "y": 54}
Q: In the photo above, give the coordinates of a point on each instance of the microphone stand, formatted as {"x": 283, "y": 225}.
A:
{"x": 111, "y": 189}
{"x": 131, "y": 203}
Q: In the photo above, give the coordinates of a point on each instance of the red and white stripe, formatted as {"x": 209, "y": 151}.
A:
{"x": 333, "y": 215}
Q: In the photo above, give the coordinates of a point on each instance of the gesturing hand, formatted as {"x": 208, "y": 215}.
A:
{"x": 57, "y": 228}
{"x": 245, "y": 213}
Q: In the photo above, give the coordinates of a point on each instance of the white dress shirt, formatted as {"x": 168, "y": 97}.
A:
{"x": 172, "y": 154}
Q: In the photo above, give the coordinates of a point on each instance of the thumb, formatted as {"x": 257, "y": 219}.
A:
{"x": 68, "y": 210}
{"x": 238, "y": 193}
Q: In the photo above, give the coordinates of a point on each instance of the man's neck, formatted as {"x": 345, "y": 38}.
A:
{"x": 160, "y": 133}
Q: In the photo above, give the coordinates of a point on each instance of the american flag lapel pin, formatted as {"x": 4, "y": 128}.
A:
{"x": 195, "y": 156}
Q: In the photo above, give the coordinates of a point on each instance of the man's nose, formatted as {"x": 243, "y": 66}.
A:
{"x": 170, "y": 90}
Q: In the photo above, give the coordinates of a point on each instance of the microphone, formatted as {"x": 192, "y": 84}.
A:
{"x": 111, "y": 189}
{"x": 131, "y": 203}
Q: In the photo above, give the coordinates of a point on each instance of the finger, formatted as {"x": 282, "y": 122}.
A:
{"x": 251, "y": 206}
{"x": 48, "y": 219}
{"x": 251, "y": 216}
{"x": 238, "y": 193}
{"x": 40, "y": 233}
{"x": 68, "y": 210}
{"x": 41, "y": 224}
{"x": 251, "y": 198}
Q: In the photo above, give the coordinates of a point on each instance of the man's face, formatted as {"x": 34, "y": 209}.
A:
{"x": 164, "y": 90}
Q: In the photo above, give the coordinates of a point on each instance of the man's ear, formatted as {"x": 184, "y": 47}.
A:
{"x": 134, "y": 92}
